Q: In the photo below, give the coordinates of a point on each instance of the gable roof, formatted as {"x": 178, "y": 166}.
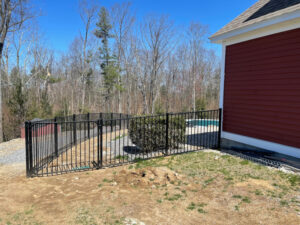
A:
{"x": 260, "y": 11}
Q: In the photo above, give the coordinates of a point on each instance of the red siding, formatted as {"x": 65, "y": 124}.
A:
{"x": 44, "y": 130}
{"x": 262, "y": 88}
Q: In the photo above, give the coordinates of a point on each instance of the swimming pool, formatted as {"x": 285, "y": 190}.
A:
{"x": 202, "y": 122}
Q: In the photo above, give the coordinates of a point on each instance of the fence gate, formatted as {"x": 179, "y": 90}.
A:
{"x": 96, "y": 140}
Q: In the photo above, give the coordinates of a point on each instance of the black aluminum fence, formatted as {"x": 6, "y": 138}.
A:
{"x": 93, "y": 141}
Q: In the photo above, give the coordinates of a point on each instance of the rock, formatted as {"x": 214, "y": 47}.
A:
{"x": 286, "y": 170}
{"x": 133, "y": 221}
{"x": 114, "y": 183}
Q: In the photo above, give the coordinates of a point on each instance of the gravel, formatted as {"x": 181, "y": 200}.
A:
{"x": 9, "y": 146}
{"x": 12, "y": 152}
{"x": 17, "y": 156}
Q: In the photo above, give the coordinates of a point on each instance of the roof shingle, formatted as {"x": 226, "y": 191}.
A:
{"x": 261, "y": 10}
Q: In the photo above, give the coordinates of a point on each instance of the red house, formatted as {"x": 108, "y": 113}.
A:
{"x": 41, "y": 130}
{"x": 260, "y": 79}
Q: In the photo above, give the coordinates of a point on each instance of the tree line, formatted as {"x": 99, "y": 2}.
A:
{"x": 117, "y": 63}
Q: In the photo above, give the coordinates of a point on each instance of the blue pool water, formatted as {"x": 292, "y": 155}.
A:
{"x": 202, "y": 122}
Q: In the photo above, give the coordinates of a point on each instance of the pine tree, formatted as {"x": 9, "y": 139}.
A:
{"x": 109, "y": 66}
{"x": 16, "y": 106}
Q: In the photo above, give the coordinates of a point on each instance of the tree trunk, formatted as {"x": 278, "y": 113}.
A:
{"x": 194, "y": 93}
{"x": 1, "y": 128}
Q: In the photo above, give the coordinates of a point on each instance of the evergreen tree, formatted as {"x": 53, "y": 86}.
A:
{"x": 109, "y": 66}
{"x": 16, "y": 110}
{"x": 18, "y": 99}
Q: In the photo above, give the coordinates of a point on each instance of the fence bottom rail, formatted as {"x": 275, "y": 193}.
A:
{"x": 94, "y": 141}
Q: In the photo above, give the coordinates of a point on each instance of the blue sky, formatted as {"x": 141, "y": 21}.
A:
{"x": 60, "y": 21}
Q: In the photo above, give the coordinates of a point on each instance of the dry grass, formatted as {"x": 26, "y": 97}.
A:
{"x": 194, "y": 188}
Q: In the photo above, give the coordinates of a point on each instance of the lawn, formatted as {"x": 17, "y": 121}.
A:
{"x": 195, "y": 188}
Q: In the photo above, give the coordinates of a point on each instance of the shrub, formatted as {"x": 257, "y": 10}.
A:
{"x": 149, "y": 133}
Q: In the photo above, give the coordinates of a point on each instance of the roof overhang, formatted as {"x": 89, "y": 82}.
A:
{"x": 218, "y": 39}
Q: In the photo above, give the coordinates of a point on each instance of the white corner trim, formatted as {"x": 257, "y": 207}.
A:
{"x": 265, "y": 23}
{"x": 222, "y": 78}
{"x": 284, "y": 149}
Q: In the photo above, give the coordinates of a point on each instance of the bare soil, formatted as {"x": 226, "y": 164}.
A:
{"x": 194, "y": 188}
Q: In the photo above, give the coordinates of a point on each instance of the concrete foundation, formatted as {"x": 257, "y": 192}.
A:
{"x": 234, "y": 145}
{"x": 228, "y": 144}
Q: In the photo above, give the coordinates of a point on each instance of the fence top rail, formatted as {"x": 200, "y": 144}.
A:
{"x": 79, "y": 118}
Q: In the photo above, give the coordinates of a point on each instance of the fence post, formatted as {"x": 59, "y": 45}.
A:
{"x": 111, "y": 121}
{"x": 100, "y": 143}
{"x": 55, "y": 137}
{"x": 167, "y": 133}
{"x": 27, "y": 149}
{"x": 220, "y": 128}
{"x": 74, "y": 129}
{"x": 88, "y": 118}
{"x": 28, "y": 135}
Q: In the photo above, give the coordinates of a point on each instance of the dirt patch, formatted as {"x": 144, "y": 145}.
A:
{"x": 147, "y": 177}
{"x": 12, "y": 170}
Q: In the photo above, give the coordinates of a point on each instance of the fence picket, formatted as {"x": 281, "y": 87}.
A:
{"x": 96, "y": 140}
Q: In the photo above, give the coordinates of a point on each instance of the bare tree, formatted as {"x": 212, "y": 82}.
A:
{"x": 195, "y": 35}
{"x": 87, "y": 11}
{"x": 122, "y": 21}
{"x": 156, "y": 70}
{"x": 158, "y": 42}
{"x": 13, "y": 14}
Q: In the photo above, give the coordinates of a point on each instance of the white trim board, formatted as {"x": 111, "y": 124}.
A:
{"x": 275, "y": 147}
{"x": 222, "y": 78}
{"x": 263, "y": 32}
{"x": 259, "y": 25}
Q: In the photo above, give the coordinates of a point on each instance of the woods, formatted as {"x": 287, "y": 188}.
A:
{"x": 117, "y": 63}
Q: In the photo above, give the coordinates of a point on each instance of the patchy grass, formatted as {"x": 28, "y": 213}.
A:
{"x": 191, "y": 206}
{"x": 122, "y": 157}
{"x": 246, "y": 199}
{"x": 237, "y": 196}
{"x": 258, "y": 192}
{"x": 203, "y": 186}
{"x": 198, "y": 206}
{"x": 84, "y": 217}
{"x": 105, "y": 180}
{"x": 22, "y": 217}
{"x": 119, "y": 137}
{"x": 175, "y": 197}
